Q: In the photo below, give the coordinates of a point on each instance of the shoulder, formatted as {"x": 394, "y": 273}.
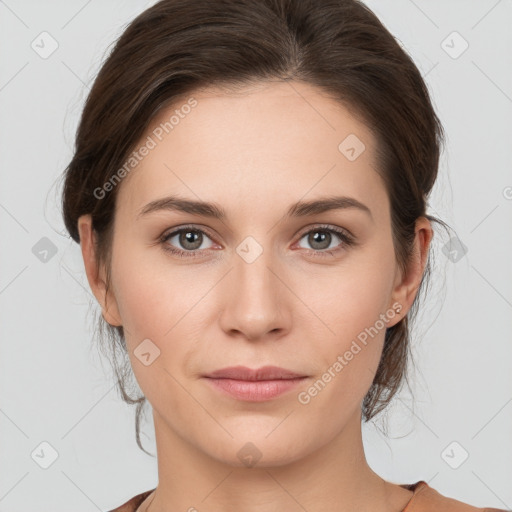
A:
{"x": 424, "y": 499}
{"x": 132, "y": 504}
{"x": 427, "y": 499}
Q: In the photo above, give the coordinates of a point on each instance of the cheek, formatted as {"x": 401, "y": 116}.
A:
{"x": 159, "y": 300}
{"x": 151, "y": 293}
{"x": 147, "y": 300}
{"x": 144, "y": 303}
{"x": 351, "y": 297}
{"x": 354, "y": 302}
{"x": 154, "y": 304}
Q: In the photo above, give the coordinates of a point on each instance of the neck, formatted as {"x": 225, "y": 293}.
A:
{"x": 336, "y": 472}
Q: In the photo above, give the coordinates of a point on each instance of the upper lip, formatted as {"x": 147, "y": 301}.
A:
{"x": 263, "y": 373}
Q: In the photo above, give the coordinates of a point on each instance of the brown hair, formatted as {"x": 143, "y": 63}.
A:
{"x": 339, "y": 46}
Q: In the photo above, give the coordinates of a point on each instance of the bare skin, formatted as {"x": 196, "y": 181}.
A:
{"x": 255, "y": 154}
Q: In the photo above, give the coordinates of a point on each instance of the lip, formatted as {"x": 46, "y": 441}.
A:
{"x": 247, "y": 374}
{"x": 257, "y": 385}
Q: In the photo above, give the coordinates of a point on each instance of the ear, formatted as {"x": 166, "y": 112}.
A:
{"x": 95, "y": 276}
{"x": 406, "y": 284}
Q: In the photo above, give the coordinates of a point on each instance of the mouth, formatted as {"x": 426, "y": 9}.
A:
{"x": 263, "y": 373}
{"x": 257, "y": 385}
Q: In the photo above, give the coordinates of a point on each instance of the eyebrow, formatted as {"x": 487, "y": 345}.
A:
{"x": 213, "y": 210}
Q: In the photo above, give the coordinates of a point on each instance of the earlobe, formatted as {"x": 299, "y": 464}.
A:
{"x": 407, "y": 283}
{"x": 96, "y": 274}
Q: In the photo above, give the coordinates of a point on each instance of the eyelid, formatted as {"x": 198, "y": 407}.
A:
{"x": 328, "y": 227}
{"x": 307, "y": 229}
{"x": 192, "y": 227}
{"x": 348, "y": 239}
{"x": 172, "y": 232}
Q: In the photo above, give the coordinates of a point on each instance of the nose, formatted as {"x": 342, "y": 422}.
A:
{"x": 256, "y": 304}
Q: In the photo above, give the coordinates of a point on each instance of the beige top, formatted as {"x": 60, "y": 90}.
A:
{"x": 424, "y": 499}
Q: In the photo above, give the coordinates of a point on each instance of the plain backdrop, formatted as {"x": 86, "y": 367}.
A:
{"x": 67, "y": 439}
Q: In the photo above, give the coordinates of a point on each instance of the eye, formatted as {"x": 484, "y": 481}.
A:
{"x": 321, "y": 237}
{"x": 191, "y": 239}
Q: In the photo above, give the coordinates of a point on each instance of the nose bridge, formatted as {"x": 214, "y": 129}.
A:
{"x": 253, "y": 305}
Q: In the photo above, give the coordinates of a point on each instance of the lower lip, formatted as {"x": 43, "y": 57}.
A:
{"x": 255, "y": 391}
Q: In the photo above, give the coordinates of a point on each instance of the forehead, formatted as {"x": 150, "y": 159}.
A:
{"x": 258, "y": 143}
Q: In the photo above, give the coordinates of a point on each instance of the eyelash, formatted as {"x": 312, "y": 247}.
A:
{"x": 347, "y": 240}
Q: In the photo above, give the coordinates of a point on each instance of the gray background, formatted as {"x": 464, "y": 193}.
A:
{"x": 55, "y": 388}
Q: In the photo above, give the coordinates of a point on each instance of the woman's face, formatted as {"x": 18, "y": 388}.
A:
{"x": 270, "y": 283}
